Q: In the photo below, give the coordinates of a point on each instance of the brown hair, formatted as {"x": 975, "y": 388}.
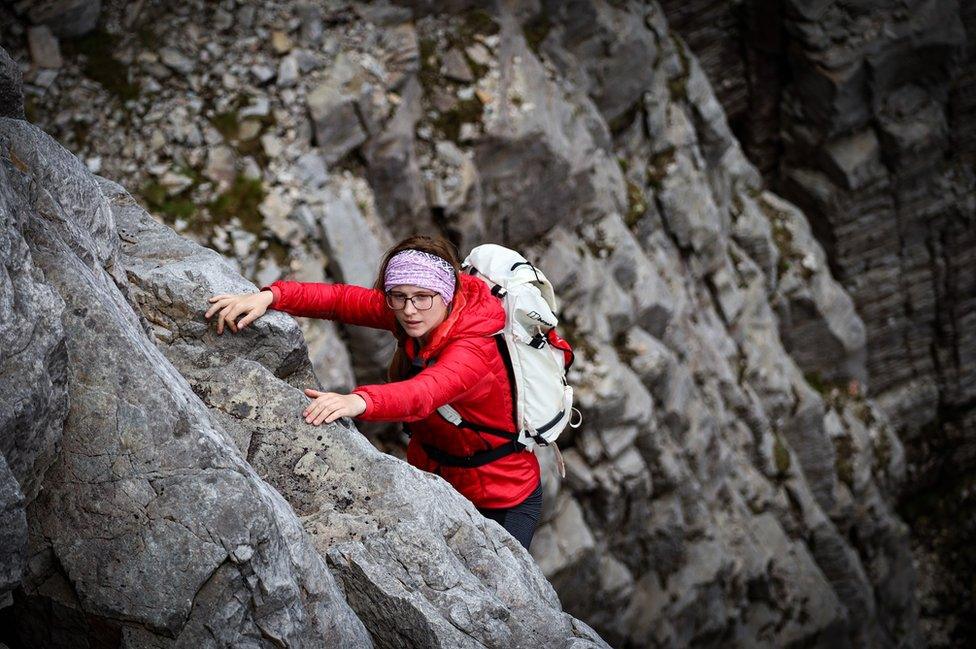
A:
{"x": 399, "y": 364}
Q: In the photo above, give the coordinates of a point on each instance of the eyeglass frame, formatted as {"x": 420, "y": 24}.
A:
{"x": 411, "y": 298}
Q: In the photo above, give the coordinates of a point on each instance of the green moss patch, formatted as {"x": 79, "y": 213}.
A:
{"x": 169, "y": 207}
{"x": 636, "y": 204}
{"x": 98, "y": 48}
{"x": 241, "y": 199}
{"x": 465, "y": 110}
{"x": 783, "y": 240}
{"x": 657, "y": 168}
{"x": 781, "y": 456}
{"x": 477, "y": 21}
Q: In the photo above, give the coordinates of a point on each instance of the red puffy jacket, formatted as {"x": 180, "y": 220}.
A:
{"x": 463, "y": 367}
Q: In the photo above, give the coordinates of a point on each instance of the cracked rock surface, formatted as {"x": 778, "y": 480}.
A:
{"x": 144, "y": 488}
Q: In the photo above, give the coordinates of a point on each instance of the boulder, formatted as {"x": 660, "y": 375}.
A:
{"x": 332, "y": 107}
{"x": 66, "y": 18}
{"x": 145, "y": 488}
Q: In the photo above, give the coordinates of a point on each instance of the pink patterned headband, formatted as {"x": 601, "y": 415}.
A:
{"x": 422, "y": 269}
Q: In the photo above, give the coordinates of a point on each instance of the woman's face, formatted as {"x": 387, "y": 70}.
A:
{"x": 416, "y": 322}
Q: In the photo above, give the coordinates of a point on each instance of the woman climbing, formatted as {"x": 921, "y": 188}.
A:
{"x": 444, "y": 322}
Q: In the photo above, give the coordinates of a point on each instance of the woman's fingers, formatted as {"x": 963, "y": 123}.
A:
{"x": 249, "y": 318}
{"x": 315, "y": 408}
{"x": 235, "y": 312}
{"x": 222, "y": 318}
{"x": 322, "y": 411}
{"x": 341, "y": 411}
{"x": 227, "y": 317}
{"x": 327, "y": 407}
{"x": 219, "y": 304}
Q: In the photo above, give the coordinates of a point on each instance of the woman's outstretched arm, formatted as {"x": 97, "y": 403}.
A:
{"x": 460, "y": 367}
{"x": 341, "y": 302}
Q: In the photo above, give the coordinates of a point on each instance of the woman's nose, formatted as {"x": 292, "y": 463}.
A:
{"x": 409, "y": 307}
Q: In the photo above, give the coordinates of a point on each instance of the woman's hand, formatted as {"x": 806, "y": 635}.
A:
{"x": 251, "y": 305}
{"x": 329, "y": 406}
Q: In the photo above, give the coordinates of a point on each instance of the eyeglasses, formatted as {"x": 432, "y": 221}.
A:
{"x": 398, "y": 301}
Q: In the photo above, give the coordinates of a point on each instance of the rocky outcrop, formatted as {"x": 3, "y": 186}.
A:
{"x": 732, "y": 481}
{"x": 144, "y": 488}
{"x": 149, "y": 486}
{"x": 416, "y": 561}
{"x": 867, "y": 125}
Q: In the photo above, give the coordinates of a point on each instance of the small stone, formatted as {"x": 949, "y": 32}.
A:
{"x": 262, "y": 73}
{"x": 174, "y": 182}
{"x": 223, "y": 20}
{"x": 307, "y": 61}
{"x": 243, "y": 243}
{"x": 44, "y": 48}
{"x": 288, "y": 72}
{"x": 245, "y": 16}
{"x": 248, "y": 130}
{"x": 310, "y": 17}
{"x": 243, "y": 553}
{"x": 479, "y": 54}
{"x": 275, "y": 211}
{"x": 157, "y": 140}
{"x": 250, "y": 169}
{"x": 158, "y": 70}
{"x": 310, "y": 169}
{"x": 175, "y": 60}
{"x": 268, "y": 271}
{"x": 455, "y": 67}
{"x": 630, "y": 464}
{"x": 272, "y": 145}
{"x": 260, "y": 107}
{"x": 220, "y": 165}
{"x": 468, "y": 132}
{"x": 45, "y": 78}
{"x": 443, "y": 101}
{"x": 94, "y": 164}
{"x": 280, "y": 42}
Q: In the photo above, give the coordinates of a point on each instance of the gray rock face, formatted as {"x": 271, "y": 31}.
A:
{"x": 34, "y": 399}
{"x": 13, "y": 534}
{"x": 416, "y": 561}
{"x": 11, "y": 87}
{"x": 870, "y": 132}
{"x": 145, "y": 489}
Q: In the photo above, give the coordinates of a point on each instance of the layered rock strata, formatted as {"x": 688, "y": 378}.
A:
{"x": 863, "y": 115}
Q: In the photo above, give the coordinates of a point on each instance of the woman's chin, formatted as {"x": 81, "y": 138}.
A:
{"x": 414, "y": 330}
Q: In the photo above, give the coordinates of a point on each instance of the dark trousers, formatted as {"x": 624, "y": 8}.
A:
{"x": 520, "y": 520}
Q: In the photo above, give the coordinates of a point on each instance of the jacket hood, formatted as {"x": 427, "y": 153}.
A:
{"x": 475, "y": 312}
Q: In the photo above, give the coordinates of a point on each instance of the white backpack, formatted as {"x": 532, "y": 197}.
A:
{"x": 537, "y": 366}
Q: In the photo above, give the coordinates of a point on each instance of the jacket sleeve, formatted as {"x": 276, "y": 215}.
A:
{"x": 460, "y": 367}
{"x": 341, "y": 302}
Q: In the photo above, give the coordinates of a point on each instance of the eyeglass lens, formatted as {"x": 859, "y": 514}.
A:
{"x": 397, "y": 301}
